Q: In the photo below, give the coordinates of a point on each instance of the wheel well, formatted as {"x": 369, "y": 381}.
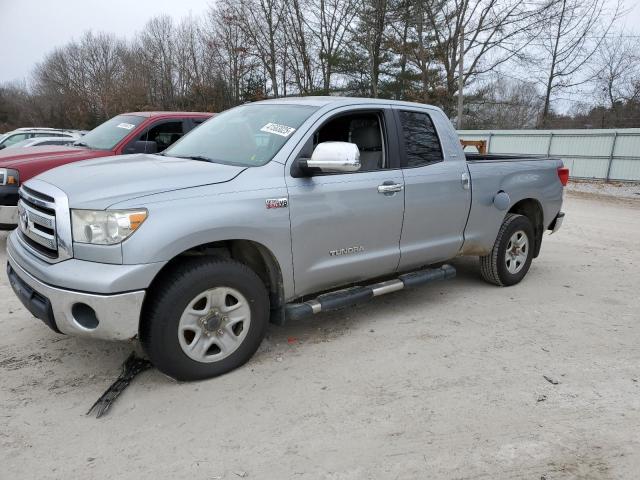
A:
{"x": 532, "y": 209}
{"x": 253, "y": 254}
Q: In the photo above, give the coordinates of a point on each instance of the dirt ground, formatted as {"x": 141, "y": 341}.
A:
{"x": 446, "y": 381}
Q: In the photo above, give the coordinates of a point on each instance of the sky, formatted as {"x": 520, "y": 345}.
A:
{"x": 31, "y": 28}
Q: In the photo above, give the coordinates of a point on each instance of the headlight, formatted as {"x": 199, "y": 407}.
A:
{"x": 9, "y": 177}
{"x": 105, "y": 227}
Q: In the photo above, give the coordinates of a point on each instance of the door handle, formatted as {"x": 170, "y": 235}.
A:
{"x": 464, "y": 179}
{"x": 390, "y": 188}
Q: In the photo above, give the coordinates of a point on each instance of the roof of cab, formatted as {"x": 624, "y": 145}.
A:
{"x": 322, "y": 101}
{"x": 170, "y": 114}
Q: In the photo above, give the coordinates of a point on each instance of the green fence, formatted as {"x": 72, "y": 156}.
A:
{"x": 596, "y": 154}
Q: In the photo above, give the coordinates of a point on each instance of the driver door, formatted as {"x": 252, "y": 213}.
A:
{"x": 344, "y": 227}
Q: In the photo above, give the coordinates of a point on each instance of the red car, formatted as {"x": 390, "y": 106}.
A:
{"x": 140, "y": 132}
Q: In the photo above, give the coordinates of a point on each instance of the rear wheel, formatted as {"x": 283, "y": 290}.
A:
{"x": 204, "y": 318}
{"x": 512, "y": 252}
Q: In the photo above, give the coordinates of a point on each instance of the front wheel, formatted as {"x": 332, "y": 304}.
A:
{"x": 204, "y": 318}
{"x": 512, "y": 252}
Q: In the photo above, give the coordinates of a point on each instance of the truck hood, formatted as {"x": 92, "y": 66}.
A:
{"x": 30, "y": 161}
{"x": 14, "y": 157}
{"x": 97, "y": 184}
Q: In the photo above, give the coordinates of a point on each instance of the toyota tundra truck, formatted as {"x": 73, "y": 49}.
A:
{"x": 140, "y": 132}
{"x": 270, "y": 211}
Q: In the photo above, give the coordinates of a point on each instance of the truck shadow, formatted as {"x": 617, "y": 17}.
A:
{"x": 418, "y": 302}
{"x": 77, "y": 361}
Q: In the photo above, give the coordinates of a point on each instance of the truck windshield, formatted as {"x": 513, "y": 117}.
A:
{"x": 110, "y": 133}
{"x": 248, "y": 136}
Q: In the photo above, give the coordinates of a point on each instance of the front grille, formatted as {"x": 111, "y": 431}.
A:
{"x": 37, "y": 222}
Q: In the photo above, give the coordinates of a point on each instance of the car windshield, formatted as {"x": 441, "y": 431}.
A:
{"x": 21, "y": 143}
{"x": 110, "y": 133}
{"x": 248, "y": 136}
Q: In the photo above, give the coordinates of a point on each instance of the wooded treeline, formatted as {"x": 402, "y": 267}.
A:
{"x": 516, "y": 61}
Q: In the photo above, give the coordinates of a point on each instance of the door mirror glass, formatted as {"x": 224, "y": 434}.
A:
{"x": 334, "y": 157}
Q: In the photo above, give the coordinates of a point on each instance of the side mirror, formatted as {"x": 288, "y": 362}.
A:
{"x": 141, "y": 146}
{"x": 333, "y": 157}
{"x": 3, "y": 146}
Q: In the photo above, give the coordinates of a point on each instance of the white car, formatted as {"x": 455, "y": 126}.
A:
{"x": 21, "y": 134}
{"x": 42, "y": 141}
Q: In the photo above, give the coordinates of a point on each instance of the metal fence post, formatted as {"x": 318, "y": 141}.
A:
{"x": 613, "y": 148}
{"x": 549, "y": 145}
{"x": 489, "y": 143}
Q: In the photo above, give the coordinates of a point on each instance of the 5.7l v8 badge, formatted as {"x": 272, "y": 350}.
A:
{"x": 277, "y": 203}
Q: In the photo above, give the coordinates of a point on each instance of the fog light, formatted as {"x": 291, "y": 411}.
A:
{"x": 85, "y": 316}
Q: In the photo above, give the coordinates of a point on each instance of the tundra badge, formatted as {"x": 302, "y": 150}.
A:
{"x": 346, "y": 251}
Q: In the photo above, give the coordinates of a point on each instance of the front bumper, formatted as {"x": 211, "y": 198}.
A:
{"x": 8, "y": 217}
{"x": 110, "y": 317}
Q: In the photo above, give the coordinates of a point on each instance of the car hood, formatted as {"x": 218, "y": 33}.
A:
{"x": 15, "y": 157}
{"x": 99, "y": 183}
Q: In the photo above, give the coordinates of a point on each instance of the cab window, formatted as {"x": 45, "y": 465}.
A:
{"x": 421, "y": 143}
{"x": 363, "y": 129}
{"x": 164, "y": 134}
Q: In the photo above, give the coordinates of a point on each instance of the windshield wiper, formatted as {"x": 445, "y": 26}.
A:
{"x": 200, "y": 158}
{"x": 80, "y": 144}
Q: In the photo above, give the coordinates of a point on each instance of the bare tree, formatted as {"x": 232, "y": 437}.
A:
{"x": 261, "y": 22}
{"x": 302, "y": 46}
{"x": 494, "y": 34}
{"x": 369, "y": 32}
{"x": 102, "y": 58}
{"x": 156, "y": 48}
{"x": 330, "y": 22}
{"x": 569, "y": 38}
{"x": 504, "y": 103}
{"x": 617, "y": 73}
{"x": 229, "y": 48}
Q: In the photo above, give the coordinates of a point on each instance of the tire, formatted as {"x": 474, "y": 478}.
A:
{"x": 496, "y": 267}
{"x": 190, "y": 306}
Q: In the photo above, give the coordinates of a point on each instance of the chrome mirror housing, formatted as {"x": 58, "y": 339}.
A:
{"x": 334, "y": 157}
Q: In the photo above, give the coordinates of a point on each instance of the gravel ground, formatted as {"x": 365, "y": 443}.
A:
{"x": 446, "y": 381}
{"x": 614, "y": 189}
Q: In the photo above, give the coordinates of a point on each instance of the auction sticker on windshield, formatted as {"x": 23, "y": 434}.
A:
{"x": 126, "y": 126}
{"x": 278, "y": 129}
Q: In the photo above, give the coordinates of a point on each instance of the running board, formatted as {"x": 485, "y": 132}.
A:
{"x": 354, "y": 295}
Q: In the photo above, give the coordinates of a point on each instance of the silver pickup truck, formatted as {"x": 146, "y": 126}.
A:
{"x": 270, "y": 211}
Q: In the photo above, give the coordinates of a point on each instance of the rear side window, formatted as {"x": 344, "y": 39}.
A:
{"x": 421, "y": 143}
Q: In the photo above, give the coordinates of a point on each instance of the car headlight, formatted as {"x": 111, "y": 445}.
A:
{"x": 9, "y": 177}
{"x": 105, "y": 227}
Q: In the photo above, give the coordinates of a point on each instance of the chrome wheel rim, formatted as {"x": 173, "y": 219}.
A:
{"x": 517, "y": 252}
{"x": 214, "y": 324}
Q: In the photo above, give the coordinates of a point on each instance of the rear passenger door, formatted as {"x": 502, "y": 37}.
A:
{"x": 437, "y": 194}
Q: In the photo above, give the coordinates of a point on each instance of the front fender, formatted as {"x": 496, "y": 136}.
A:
{"x": 181, "y": 220}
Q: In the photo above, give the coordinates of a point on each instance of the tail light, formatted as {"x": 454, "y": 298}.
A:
{"x": 563, "y": 175}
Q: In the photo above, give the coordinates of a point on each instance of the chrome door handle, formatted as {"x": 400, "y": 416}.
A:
{"x": 390, "y": 188}
{"x": 464, "y": 179}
